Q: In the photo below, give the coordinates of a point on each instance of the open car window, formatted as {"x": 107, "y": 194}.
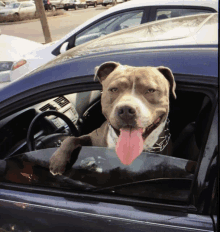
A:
{"x": 98, "y": 169}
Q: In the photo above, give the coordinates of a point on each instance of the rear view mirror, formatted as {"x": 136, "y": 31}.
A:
{"x": 63, "y": 48}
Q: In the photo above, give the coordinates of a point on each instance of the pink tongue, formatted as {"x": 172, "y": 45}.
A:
{"x": 129, "y": 145}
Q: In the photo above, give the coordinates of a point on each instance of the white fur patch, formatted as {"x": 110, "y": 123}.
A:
{"x": 112, "y": 138}
{"x": 154, "y": 136}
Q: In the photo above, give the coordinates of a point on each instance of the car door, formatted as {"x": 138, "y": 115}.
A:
{"x": 30, "y": 8}
{"x": 22, "y": 8}
{"x": 31, "y": 205}
{"x": 118, "y": 21}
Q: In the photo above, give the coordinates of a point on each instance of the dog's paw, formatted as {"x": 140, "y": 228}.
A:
{"x": 57, "y": 164}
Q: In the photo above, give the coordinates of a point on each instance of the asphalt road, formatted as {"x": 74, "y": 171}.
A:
{"x": 59, "y": 25}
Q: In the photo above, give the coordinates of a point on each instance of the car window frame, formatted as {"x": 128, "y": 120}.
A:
{"x": 110, "y": 21}
{"x": 66, "y": 89}
{"x": 154, "y": 9}
{"x": 71, "y": 39}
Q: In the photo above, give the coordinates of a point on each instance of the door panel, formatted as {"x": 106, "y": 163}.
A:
{"x": 38, "y": 212}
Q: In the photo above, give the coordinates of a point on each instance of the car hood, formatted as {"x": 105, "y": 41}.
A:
{"x": 14, "y": 48}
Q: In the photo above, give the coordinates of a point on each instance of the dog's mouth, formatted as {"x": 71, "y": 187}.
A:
{"x": 146, "y": 131}
{"x": 131, "y": 140}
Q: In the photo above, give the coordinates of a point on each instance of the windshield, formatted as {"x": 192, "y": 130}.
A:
{"x": 13, "y": 5}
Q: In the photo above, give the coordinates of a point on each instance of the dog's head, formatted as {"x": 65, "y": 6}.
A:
{"x": 135, "y": 99}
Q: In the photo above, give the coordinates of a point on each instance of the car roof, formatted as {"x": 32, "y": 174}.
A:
{"x": 137, "y": 3}
{"x": 185, "y": 30}
{"x": 198, "y": 61}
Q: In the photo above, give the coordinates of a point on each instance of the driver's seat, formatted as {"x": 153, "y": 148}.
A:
{"x": 189, "y": 142}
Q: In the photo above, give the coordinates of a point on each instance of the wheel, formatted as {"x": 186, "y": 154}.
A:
{"x": 49, "y": 138}
{"x": 95, "y": 5}
{"x": 66, "y": 9}
{"x": 53, "y": 8}
{"x": 16, "y": 16}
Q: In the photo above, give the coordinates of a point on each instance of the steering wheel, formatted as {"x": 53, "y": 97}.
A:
{"x": 30, "y": 134}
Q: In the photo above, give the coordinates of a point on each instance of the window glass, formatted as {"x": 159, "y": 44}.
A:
{"x": 171, "y": 13}
{"x": 109, "y": 25}
{"x": 14, "y": 5}
{"x": 98, "y": 168}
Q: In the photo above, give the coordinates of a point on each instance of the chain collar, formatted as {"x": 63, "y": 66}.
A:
{"x": 159, "y": 145}
{"x": 162, "y": 141}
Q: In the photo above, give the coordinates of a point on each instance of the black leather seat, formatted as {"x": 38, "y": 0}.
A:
{"x": 189, "y": 142}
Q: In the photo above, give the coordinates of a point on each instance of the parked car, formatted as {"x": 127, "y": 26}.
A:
{"x": 58, "y": 4}
{"x": 12, "y": 49}
{"x": 19, "y": 8}
{"x": 97, "y": 192}
{"x": 93, "y": 2}
{"x": 129, "y": 14}
{"x": 195, "y": 29}
{"x": 75, "y": 4}
{"x": 111, "y": 2}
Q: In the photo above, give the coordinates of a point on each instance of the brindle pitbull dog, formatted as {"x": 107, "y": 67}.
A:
{"x": 135, "y": 102}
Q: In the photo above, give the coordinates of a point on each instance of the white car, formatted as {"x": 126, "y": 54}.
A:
{"x": 125, "y": 15}
{"x": 18, "y": 8}
{"x": 111, "y": 2}
{"x": 2, "y": 5}
{"x": 12, "y": 49}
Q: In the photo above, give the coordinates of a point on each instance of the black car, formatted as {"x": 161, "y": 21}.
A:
{"x": 97, "y": 192}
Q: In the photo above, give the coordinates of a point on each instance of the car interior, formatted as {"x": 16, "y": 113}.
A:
{"x": 27, "y": 141}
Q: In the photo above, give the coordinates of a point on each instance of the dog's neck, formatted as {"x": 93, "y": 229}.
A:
{"x": 155, "y": 142}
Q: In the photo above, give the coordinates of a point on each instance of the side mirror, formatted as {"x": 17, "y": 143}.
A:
{"x": 63, "y": 48}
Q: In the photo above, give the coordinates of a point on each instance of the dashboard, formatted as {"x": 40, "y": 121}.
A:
{"x": 14, "y": 128}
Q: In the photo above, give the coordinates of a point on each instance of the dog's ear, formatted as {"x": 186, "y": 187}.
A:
{"x": 169, "y": 76}
{"x": 102, "y": 71}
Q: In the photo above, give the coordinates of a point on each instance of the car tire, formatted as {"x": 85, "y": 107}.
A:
{"x": 53, "y": 8}
{"x": 104, "y": 4}
{"x": 95, "y": 4}
{"x": 16, "y": 15}
{"x": 66, "y": 8}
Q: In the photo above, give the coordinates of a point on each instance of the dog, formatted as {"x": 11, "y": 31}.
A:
{"x": 135, "y": 103}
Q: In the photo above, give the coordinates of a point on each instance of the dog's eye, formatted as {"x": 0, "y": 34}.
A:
{"x": 113, "y": 90}
{"x": 150, "y": 91}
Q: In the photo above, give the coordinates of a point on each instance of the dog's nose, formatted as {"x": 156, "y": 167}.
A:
{"x": 126, "y": 112}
